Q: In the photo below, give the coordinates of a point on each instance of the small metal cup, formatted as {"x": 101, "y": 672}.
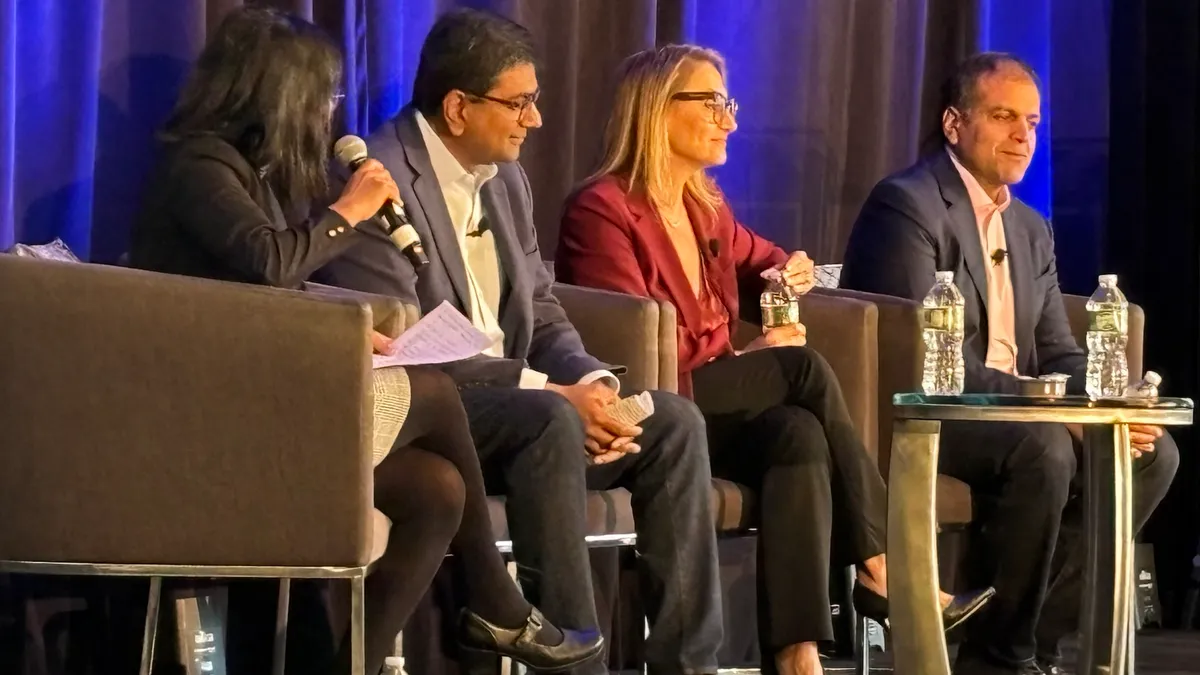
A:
{"x": 1053, "y": 385}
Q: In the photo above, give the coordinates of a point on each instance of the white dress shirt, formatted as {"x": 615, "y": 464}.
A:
{"x": 461, "y": 189}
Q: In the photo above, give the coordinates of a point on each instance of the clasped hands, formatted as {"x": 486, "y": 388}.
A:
{"x": 607, "y": 440}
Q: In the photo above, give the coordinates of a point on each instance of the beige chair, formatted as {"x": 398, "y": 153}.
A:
{"x": 642, "y": 334}
{"x": 159, "y": 426}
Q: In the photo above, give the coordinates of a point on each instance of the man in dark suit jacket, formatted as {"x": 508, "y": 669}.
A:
{"x": 535, "y": 401}
{"x": 954, "y": 211}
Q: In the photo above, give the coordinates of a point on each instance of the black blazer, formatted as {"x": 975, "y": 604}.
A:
{"x": 920, "y": 221}
{"x": 208, "y": 213}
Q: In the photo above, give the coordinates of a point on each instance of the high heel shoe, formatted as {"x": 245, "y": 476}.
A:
{"x": 521, "y": 644}
{"x": 875, "y": 607}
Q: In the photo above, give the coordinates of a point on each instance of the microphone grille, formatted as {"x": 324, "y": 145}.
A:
{"x": 350, "y": 149}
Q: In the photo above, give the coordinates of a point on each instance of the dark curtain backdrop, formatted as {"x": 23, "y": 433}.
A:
{"x": 1152, "y": 240}
{"x": 835, "y": 94}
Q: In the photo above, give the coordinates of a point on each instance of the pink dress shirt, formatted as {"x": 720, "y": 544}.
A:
{"x": 1001, "y": 314}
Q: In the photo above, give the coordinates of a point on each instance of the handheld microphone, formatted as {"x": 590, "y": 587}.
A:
{"x": 351, "y": 152}
{"x": 998, "y": 256}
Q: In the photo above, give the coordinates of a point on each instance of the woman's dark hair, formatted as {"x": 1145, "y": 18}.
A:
{"x": 467, "y": 49}
{"x": 265, "y": 83}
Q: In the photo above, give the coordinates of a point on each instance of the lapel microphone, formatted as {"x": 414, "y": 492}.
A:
{"x": 998, "y": 256}
{"x": 482, "y": 227}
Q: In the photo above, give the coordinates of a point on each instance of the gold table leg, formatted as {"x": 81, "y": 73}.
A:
{"x": 1106, "y": 628}
{"x": 915, "y": 613}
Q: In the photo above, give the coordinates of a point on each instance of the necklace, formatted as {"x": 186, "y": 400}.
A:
{"x": 673, "y": 222}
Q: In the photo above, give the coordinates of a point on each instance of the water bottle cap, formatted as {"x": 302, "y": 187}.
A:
{"x": 1108, "y": 280}
{"x": 944, "y": 277}
{"x": 1153, "y": 378}
{"x": 771, "y": 274}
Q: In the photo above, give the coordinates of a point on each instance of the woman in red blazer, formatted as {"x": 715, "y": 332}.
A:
{"x": 652, "y": 223}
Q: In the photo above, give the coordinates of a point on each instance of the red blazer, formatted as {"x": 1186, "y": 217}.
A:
{"x": 613, "y": 240}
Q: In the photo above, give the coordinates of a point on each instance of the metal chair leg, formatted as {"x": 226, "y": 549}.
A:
{"x": 862, "y": 646}
{"x": 358, "y": 622}
{"x": 150, "y": 632}
{"x": 281, "y": 625}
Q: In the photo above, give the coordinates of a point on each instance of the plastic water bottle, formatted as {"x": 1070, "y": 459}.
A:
{"x": 1108, "y": 333}
{"x": 942, "y": 329}
{"x": 780, "y": 305}
{"x": 1148, "y": 387}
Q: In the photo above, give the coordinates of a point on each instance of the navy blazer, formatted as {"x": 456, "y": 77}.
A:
{"x": 537, "y": 333}
{"x": 920, "y": 221}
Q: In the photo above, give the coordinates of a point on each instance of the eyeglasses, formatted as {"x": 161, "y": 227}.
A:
{"x": 717, "y": 102}
{"x": 519, "y": 105}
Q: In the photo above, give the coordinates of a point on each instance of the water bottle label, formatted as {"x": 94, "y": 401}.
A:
{"x": 783, "y": 314}
{"x": 942, "y": 318}
{"x": 1107, "y": 320}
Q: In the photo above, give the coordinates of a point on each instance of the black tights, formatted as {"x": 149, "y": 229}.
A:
{"x": 431, "y": 488}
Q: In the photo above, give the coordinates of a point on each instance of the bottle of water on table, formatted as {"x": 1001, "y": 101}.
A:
{"x": 1107, "y": 336}
{"x": 942, "y": 330}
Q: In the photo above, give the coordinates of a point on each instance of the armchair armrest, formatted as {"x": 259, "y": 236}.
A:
{"x": 900, "y": 354}
{"x": 201, "y": 423}
{"x": 843, "y": 330}
{"x": 638, "y": 333}
{"x": 389, "y": 316}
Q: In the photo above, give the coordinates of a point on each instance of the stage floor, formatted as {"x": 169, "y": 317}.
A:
{"x": 1158, "y": 653}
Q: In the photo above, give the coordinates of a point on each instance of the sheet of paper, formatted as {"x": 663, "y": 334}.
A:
{"x": 441, "y": 336}
{"x": 632, "y": 410}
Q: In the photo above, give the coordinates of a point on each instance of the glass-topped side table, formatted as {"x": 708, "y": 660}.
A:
{"x": 919, "y": 644}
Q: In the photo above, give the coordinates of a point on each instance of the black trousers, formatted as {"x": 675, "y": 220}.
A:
{"x": 777, "y": 422}
{"x": 531, "y": 444}
{"x": 431, "y": 488}
{"x": 1026, "y": 484}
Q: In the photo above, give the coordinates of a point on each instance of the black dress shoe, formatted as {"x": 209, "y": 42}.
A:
{"x": 521, "y": 644}
{"x": 875, "y": 607}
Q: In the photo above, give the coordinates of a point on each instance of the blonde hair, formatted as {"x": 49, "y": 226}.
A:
{"x": 635, "y": 142}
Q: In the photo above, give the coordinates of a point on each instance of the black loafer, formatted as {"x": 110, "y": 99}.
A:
{"x": 875, "y": 607}
{"x": 521, "y": 644}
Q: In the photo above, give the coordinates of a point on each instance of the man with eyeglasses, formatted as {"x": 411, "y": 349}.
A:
{"x": 536, "y": 400}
